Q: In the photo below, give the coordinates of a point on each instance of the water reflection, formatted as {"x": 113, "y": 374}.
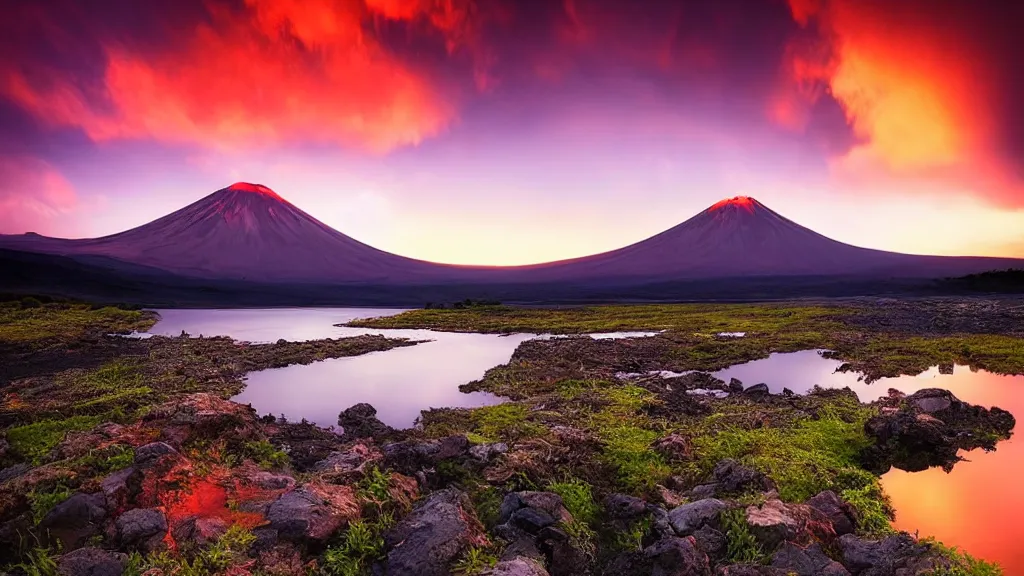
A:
{"x": 979, "y": 505}
{"x": 266, "y": 324}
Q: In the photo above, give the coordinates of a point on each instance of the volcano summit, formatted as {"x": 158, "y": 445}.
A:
{"x": 247, "y": 232}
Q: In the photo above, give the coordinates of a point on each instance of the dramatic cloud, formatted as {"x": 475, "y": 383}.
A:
{"x": 273, "y": 71}
{"x": 32, "y": 196}
{"x": 917, "y": 82}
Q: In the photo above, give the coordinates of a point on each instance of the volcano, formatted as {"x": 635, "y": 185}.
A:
{"x": 247, "y": 232}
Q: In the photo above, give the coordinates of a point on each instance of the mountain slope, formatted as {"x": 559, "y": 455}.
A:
{"x": 246, "y": 232}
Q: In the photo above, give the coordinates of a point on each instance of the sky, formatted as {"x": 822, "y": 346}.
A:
{"x": 521, "y": 131}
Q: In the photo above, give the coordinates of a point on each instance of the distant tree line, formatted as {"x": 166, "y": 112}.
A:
{"x": 462, "y": 304}
{"x": 1010, "y": 280}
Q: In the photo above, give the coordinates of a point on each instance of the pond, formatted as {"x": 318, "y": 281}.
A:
{"x": 978, "y": 505}
{"x": 399, "y": 383}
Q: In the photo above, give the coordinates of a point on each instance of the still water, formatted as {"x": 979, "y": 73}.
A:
{"x": 399, "y": 383}
{"x": 979, "y": 506}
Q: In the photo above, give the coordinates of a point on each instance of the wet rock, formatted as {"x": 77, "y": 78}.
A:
{"x": 839, "y": 513}
{"x": 623, "y": 507}
{"x": 674, "y": 447}
{"x": 487, "y": 452}
{"x": 148, "y": 454}
{"x": 775, "y": 522}
{"x": 711, "y": 542}
{"x": 757, "y": 390}
{"x": 142, "y": 528}
{"x": 92, "y": 562}
{"x": 564, "y": 556}
{"x": 677, "y": 557}
{"x": 688, "y": 518}
{"x": 312, "y": 513}
{"x": 886, "y": 557}
{"x": 518, "y": 566}
{"x": 433, "y": 535}
{"x": 810, "y": 561}
{"x": 74, "y": 520}
{"x": 735, "y": 385}
{"x": 360, "y": 421}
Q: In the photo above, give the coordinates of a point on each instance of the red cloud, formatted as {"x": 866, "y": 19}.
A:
{"x": 32, "y": 195}
{"x": 913, "y": 83}
{"x": 276, "y": 70}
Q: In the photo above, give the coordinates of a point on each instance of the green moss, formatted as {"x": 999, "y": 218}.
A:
{"x": 68, "y": 322}
{"x": 962, "y": 564}
{"x": 361, "y": 545}
{"x": 741, "y": 544}
{"x": 627, "y": 449}
{"x": 504, "y": 422}
{"x": 679, "y": 317}
{"x": 33, "y": 441}
{"x": 38, "y": 562}
{"x": 805, "y": 458}
{"x": 632, "y": 539}
{"x": 487, "y": 503}
{"x": 578, "y": 498}
{"x": 108, "y": 459}
{"x": 874, "y": 509}
{"x": 475, "y": 560}
{"x": 265, "y": 454}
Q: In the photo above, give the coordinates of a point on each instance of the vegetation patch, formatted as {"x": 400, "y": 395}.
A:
{"x": 34, "y": 441}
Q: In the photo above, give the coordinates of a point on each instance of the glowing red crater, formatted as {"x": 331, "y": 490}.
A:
{"x": 254, "y": 188}
{"x": 744, "y": 202}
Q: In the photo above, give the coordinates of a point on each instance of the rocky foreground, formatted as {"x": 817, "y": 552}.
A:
{"x": 202, "y": 485}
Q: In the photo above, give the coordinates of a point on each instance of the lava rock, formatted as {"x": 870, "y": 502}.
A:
{"x": 810, "y": 561}
{"x": 306, "y": 514}
{"x": 199, "y": 531}
{"x": 839, "y": 513}
{"x": 565, "y": 558}
{"x": 487, "y": 452}
{"x": 360, "y": 421}
{"x": 735, "y": 385}
{"x": 92, "y": 562}
{"x": 433, "y": 535}
{"x": 677, "y": 557}
{"x": 757, "y": 390}
{"x": 881, "y": 557}
{"x": 142, "y": 528}
{"x": 674, "y": 447}
{"x": 546, "y": 504}
{"x": 688, "y": 518}
{"x": 731, "y": 477}
{"x": 711, "y": 542}
{"x": 148, "y": 454}
{"x": 76, "y": 519}
{"x": 623, "y": 507}
{"x": 775, "y": 522}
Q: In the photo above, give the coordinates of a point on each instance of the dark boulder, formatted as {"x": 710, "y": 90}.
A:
{"x": 689, "y": 518}
{"x": 730, "y": 477}
{"x": 564, "y": 555}
{"x": 757, "y": 390}
{"x": 895, "y": 555}
{"x": 312, "y": 514}
{"x": 148, "y": 454}
{"x": 142, "y": 528}
{"x": 360, "y": 421}
{"x": 412, "y": 456}
{"x": 840, "y": 514}
{"x": 810, "y": 561}
{"x": 735, "y": 385}
{"x": 677, "y": 557}
{"x": 76, "y": 519}
{"x": 712, "y": 542}
{"x": 540, "y": 505}
{"x": 92, "y": 562}
{"x": 623, "y": 507}
{"x": 433, "y": 535}
{"x": 775, "y": 522}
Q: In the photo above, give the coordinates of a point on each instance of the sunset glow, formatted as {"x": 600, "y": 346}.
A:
{"x": 515, "y": 132}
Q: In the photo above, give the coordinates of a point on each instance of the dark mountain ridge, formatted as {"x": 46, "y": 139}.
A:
{"x": 248, "y": 233}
